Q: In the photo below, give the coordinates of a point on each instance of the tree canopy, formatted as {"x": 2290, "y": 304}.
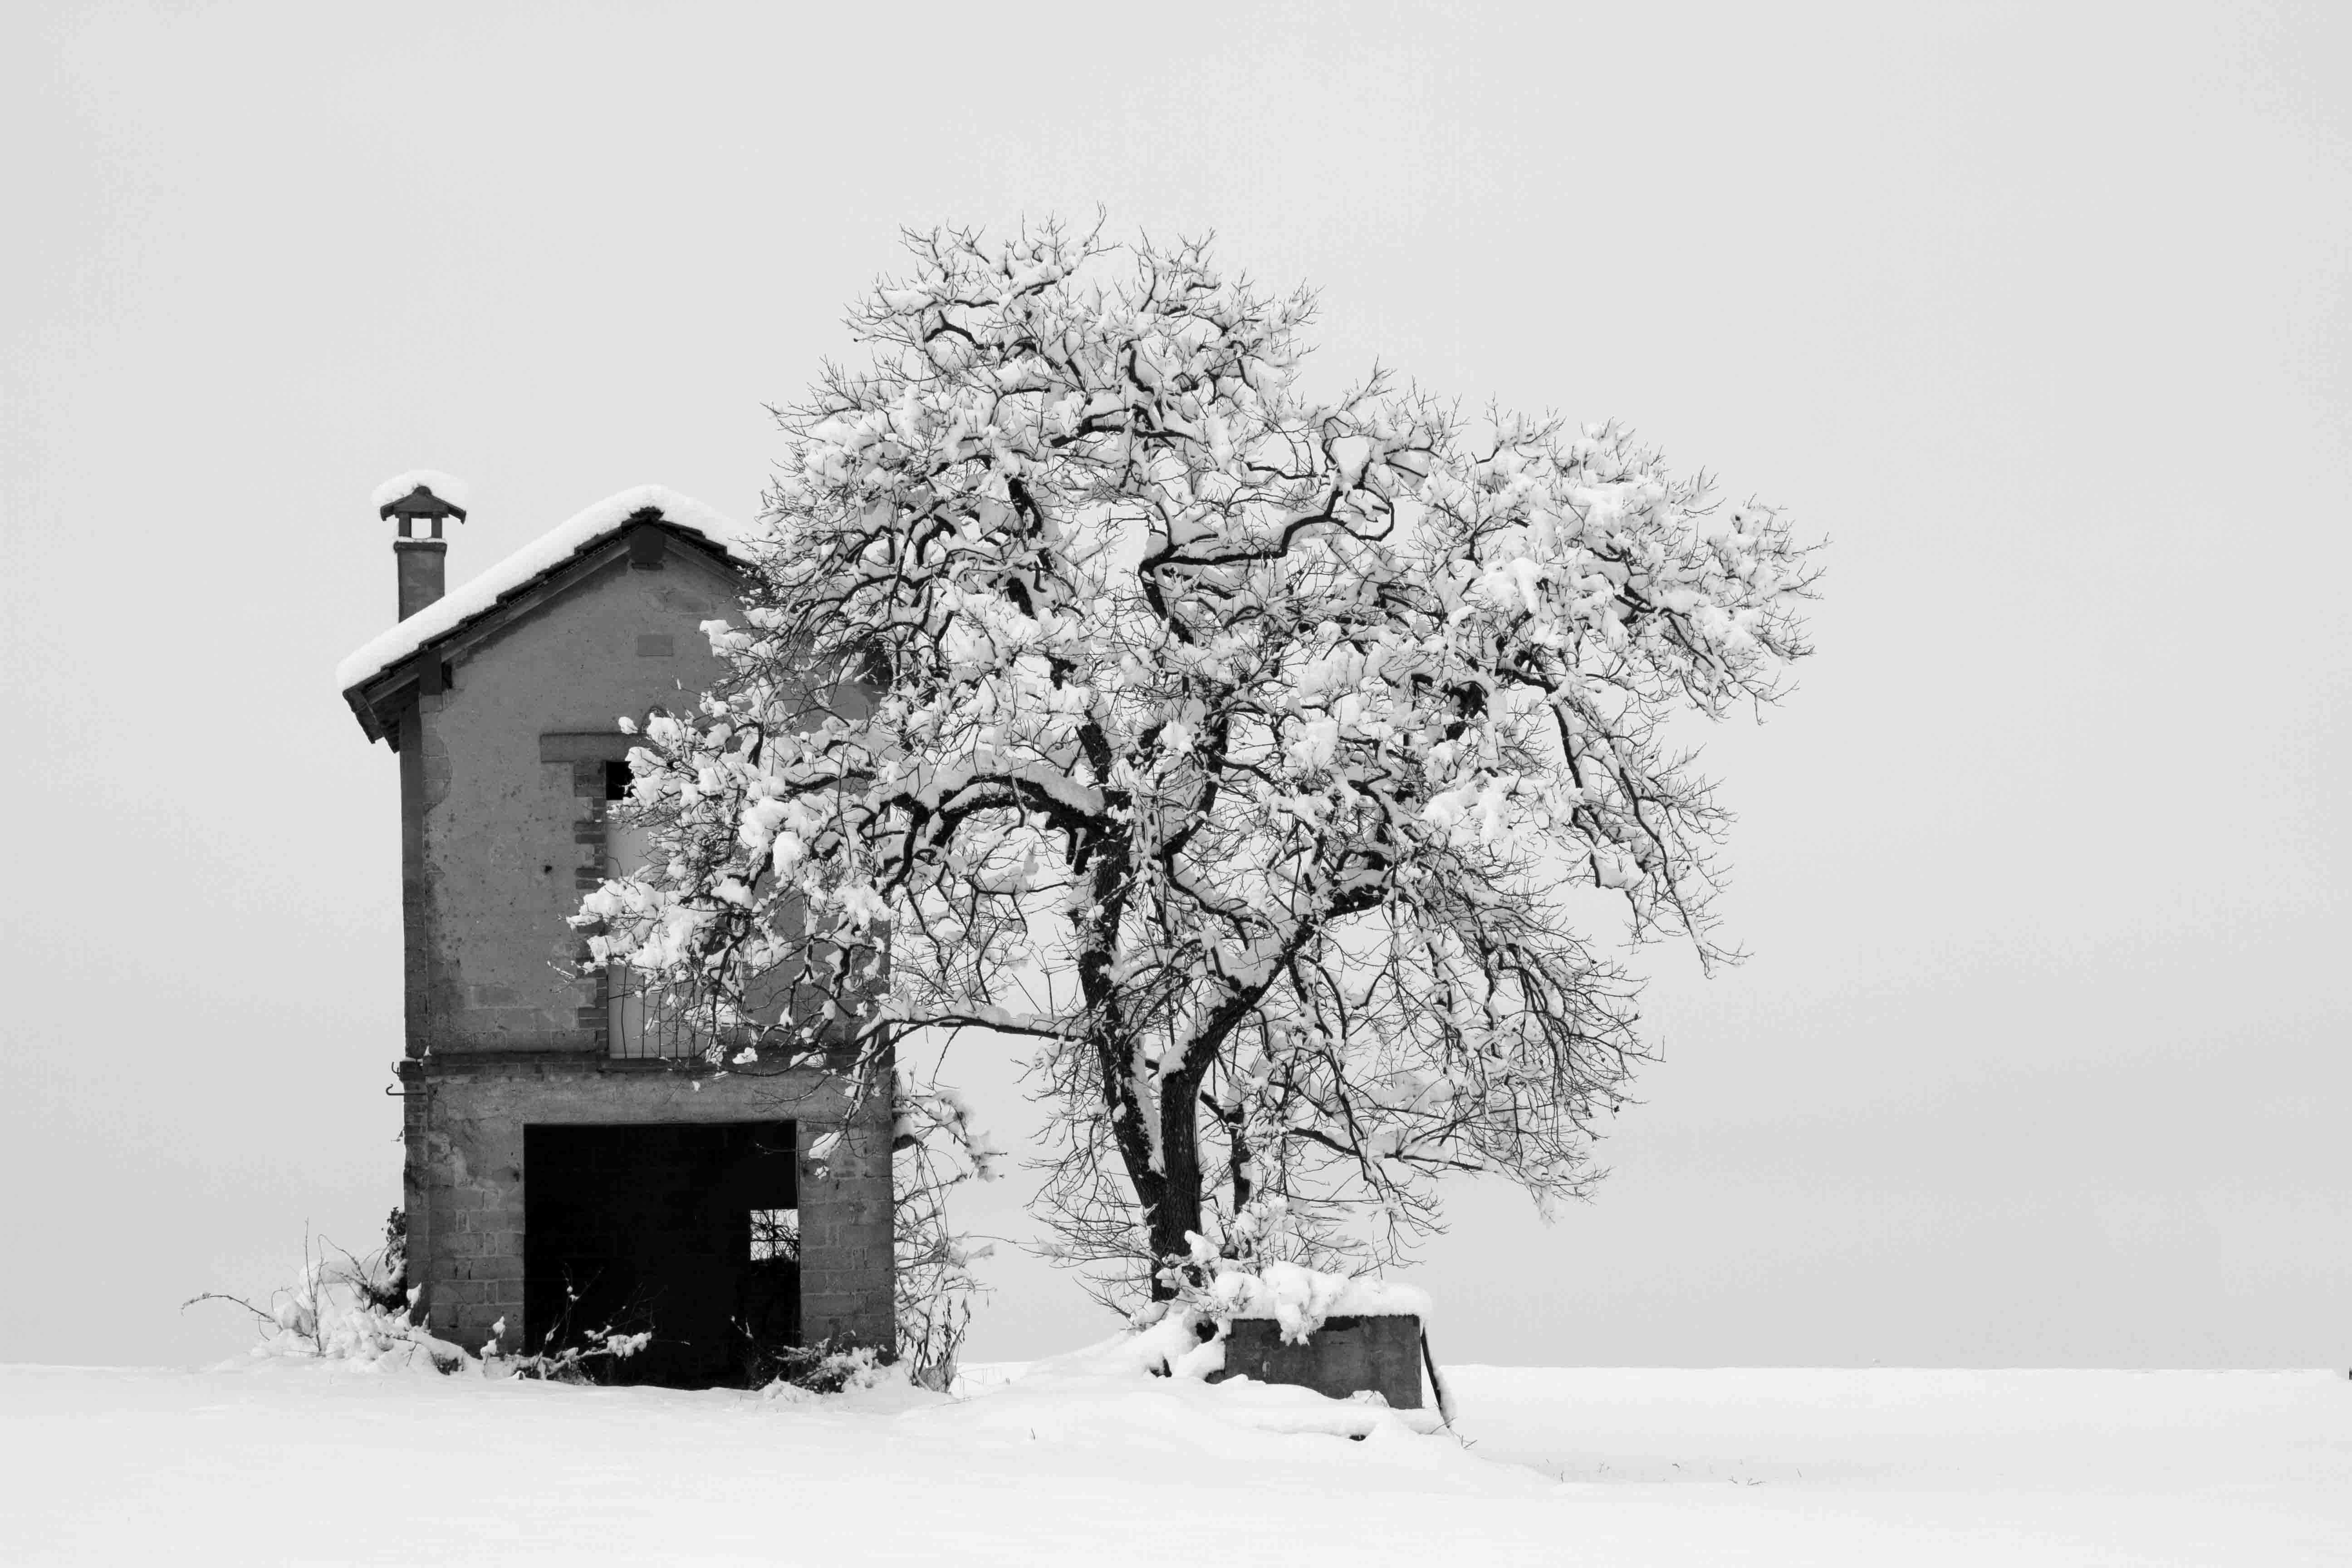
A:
{"x": 1242, "y": 753}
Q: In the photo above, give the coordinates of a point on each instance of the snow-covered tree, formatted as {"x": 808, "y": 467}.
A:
{"x": 1250, "y": 756}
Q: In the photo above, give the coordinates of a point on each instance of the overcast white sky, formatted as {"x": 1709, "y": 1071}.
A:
{"x": 2038, "y": 312}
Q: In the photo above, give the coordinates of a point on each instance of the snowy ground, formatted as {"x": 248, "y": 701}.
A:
{"x": 303, "y": 1465}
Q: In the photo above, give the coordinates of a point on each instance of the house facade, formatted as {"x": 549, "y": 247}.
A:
{"x": 567, "y": 1165}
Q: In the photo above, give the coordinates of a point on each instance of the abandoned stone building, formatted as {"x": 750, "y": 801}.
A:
{"x": 568, "y": 1163}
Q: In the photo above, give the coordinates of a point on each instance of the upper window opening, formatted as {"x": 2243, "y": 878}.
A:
{"x": 617, "y": 779}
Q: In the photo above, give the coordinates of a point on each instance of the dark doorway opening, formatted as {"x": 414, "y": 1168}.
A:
{"x": 690, "y": 1231}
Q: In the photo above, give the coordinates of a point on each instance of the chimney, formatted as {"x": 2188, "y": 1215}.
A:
{"x": 422, "y": 563}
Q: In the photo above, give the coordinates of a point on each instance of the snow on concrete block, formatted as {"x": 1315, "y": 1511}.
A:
{"x": 1300, "y": 1297}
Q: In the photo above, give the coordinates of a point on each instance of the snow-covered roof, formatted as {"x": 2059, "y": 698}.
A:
{"x": 543, "y": 555}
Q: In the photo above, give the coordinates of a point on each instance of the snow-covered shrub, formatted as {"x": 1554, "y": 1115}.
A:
{"x": 349, "y": 1308}
{"x": 589, "y": 1357}
{"x": 381, "y": 1276}
{"x": 573, "y": 1352}
{"x": 932, "y": 1153}
{"x": 830, "y": 1366}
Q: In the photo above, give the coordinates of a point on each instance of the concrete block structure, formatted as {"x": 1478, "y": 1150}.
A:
{"x": 567, "y": 1162}
{"x": 1343, "y": 1356}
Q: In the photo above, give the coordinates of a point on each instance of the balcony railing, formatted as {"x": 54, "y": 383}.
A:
{"x": 636, "y": 1031}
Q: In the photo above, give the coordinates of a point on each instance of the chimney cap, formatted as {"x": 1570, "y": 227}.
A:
{"x": 421, "y": 502}
{"x": 420, "y": 493}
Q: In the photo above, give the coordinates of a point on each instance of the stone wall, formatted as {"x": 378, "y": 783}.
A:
{"x": 467, "y": 1180}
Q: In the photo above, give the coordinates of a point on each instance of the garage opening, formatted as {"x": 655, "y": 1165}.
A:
{"x": 691, "y": 1232}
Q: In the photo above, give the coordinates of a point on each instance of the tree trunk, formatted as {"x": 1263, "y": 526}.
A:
{"x": 1238, "y": 1138}
{"x": 1173, "y": 1210}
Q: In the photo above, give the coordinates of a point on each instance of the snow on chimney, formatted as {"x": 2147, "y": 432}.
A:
{"x": 410, "y": 499}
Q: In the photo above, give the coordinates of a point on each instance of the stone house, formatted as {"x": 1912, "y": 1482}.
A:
{"x": 566, "y": 1163}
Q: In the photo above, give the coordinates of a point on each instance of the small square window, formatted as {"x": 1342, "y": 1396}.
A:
{"x": 775, "y": 1236}
{"x": 617, "y": 779}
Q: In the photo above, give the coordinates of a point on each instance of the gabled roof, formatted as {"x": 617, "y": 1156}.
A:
{"x": 525, "y": 570}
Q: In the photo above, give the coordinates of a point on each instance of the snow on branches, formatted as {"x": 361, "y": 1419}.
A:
{"x": 1099, "y": 687}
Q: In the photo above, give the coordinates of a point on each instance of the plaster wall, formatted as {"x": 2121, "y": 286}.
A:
{"x": 509, "y": 836}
